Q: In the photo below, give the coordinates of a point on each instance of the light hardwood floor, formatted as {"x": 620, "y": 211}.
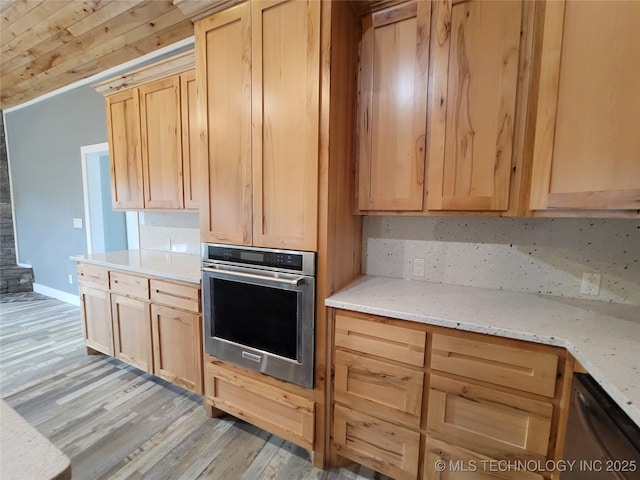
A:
{"x": 114, "y": 421}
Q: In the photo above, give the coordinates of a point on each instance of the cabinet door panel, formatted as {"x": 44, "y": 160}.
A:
{"x": 474, "y": 80}
{"x": 125, "y": 151}
{"x": 587, "y": 147}
{"x": 383, "y": 446}
{"x": 162, "y": 143}
{"x": 223, "y": 69}
{"x": 190, "y": 148}
{"x": 392, "y": 110}
{"x": 285, "y": 80}
{"x": 96, "y": 318}
{"x": 382, "y": 389}
{"x": 132, "y": 331}
{"x": 177, "y": 347}
{"x": 492, "y": 422}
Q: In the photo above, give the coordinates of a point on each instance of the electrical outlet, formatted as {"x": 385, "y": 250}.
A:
{"x": 590, "y": 284}
{"x": 77, "y": 223}
{"x": 70, "y": 279}
{"x": 418, "y": 267}
{"x": 167, "y": 244}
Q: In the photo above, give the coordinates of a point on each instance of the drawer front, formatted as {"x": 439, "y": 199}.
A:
{"x": 130, "y": 285}
{"x": 379, "y": 388}
{"x": 282, "y": 413}
{"x": 462, "y": 464}
{"x": 383, "y": 446}
{"x": 176, "y": 295}
{"x": 93, "y": 276}
{"x": 518, "y": 368}
{"x": 495, "y": 423}
{"x": 380, "y": 339}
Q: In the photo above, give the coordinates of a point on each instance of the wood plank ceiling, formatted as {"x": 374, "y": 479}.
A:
{"x": 48, "y": 44}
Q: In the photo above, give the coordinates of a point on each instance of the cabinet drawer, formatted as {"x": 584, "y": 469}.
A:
{"x": 380, "y": 339}
{"x": 382, "y": 389}
{"x": 130, "y": 285}
{"x": 463, "y": 464}
{"x": 282, "y": 413}
{"x": 176, "y": 295}
{"x": 488, "y": 421}
{"x": 520, "y": 368}
{"x": 383, "y": 446}
{"x": 93, "y": 276}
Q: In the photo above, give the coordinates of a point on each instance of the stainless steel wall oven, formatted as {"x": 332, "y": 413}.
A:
{"x": 259, "y": 309}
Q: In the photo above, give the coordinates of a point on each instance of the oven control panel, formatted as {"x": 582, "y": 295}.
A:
{"x": 276, "y": 259}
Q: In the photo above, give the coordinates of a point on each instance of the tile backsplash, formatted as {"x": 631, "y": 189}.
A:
{"x": 174, "y": 231}
{"x": 533, "y": 255}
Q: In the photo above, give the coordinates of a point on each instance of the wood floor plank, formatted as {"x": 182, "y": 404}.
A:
{"x": 117, "y": 422}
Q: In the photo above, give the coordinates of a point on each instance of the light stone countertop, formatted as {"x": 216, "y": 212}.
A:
{"x": 603, "y": 337}
{"x": 175, "y": 266}
{"x": 26, "y": 453}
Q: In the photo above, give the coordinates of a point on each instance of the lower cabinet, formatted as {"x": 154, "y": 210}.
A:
{"x": 151, "y": 323}
{"x": 265, "y": 402}
{"x": 132, "y": 331}
{"x": 96, "y": 316}
{"x": 475, "y": 404}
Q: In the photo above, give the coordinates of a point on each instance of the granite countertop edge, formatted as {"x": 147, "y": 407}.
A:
{"x": 365, "y": 295}
{"x": 183, "y": 267}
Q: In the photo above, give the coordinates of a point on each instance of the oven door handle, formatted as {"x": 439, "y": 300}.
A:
{"x": 289, "y": 281}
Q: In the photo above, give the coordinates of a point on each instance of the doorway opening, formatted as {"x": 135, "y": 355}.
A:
{"x": 107, "y": 230}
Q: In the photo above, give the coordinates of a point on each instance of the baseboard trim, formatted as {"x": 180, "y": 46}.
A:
{"x": 58, "y": 294}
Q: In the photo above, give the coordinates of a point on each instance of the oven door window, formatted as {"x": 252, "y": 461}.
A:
{"x": 265, "y": 318}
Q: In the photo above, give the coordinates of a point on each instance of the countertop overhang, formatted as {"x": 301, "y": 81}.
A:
{"x": 603, "y": 337}
{"x": 183, "y": 267}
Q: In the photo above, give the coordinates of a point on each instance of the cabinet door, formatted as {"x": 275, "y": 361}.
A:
{"x": 162, "y": 143}
{"x": 587, "y": 147}
{"x": 223, "y": 70}
{"x": 190, "y": 152}
{"x": 123, "y": 124}
{"x": 474, "y": 53}
{"x": 392, "y": 107}
{"x": 132, "y": 331}
{"x": 177, "y": 347}
{"x": 285, "y": 76}
{"x": 96, "y": 319}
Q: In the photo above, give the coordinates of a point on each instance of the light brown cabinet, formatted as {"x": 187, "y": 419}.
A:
{"x": 263, "y": 401}
{"x": 153, "y": 136}
{"x": 586, "y": 155}
{"x": 96, "y": 308}
{"x": 150, "y": 323}
{"x": 406, "y": 395}
{"x": 125, "y": 151}
{"x": 259, "y": 66}
{"x": 454, "y": 150}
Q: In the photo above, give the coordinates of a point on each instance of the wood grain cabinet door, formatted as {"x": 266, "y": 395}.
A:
{"x": 223, "y": 71}
{"x": 96, "y": 319}
{"x": 587, "y": 147}
{"x": 125, "y": 150}
{"x": 132, "y": 331}
{"x": 392, "y": 107}
{"x": 177, "y": 347}
{"x": 190, "y": 140}
{"x": 285, "y": 81}
{"x": 475, "y": 51}
{"x": 161, "y": 129}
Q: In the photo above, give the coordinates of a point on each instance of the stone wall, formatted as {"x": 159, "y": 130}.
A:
{"x": 12, "y": 277}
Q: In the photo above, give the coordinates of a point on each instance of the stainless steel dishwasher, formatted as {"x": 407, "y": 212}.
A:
{"x": 602, "y": 441}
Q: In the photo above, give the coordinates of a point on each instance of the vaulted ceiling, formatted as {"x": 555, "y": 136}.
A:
{"x": 48, "y": 44}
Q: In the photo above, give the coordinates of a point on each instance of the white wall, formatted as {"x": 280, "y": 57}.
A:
{"x": 175, "y": 231}
{"x": 545, "y": 256}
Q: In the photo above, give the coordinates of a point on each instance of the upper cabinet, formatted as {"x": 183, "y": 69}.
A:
{"x": 586, "y": 154}
{"x": 392, "y": 107}
{"x": 153, "y": 136}
{"x": 437, "y": 106}
{"x": 259, "y": 65}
